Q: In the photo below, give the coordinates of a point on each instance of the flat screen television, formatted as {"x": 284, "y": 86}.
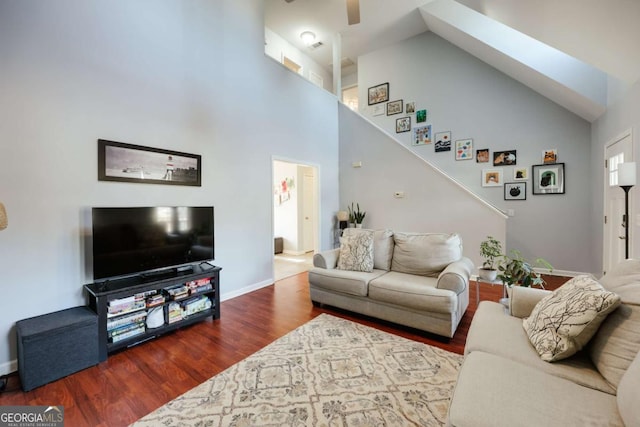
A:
{"x": 136, "y": 240}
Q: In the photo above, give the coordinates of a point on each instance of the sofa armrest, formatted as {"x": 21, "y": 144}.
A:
{"x": 522, "y": 300}
{"x": 326, "y": 259}
{"x": 455, "y": 277}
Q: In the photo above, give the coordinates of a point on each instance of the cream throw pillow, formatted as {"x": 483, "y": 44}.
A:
{"x": 356, "y": 252}
{"x": 564, "y": 321}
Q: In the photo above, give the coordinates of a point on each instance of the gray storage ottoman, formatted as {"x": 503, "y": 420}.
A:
{"x": 55, "y": 345}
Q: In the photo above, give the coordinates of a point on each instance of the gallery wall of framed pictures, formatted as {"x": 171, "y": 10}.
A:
{"x": 504, "y": 170}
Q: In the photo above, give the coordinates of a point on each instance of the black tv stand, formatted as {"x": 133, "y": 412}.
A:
{"x": 178, "y": 309}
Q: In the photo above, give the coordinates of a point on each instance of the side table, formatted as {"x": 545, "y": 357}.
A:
{"x": 504, "y": 300}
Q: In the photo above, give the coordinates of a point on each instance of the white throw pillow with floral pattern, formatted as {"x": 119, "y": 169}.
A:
{"x": 564, "y": 321}
{"x": 356, "y": 252}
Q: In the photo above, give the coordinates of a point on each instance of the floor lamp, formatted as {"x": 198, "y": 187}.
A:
{"x": 626, "y": 180}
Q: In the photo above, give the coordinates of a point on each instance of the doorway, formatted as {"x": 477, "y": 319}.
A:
{"x": 617, "y": 151}
{"x": 295, "y": 217}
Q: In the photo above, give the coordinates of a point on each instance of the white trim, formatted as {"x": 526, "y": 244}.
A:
{"x": 247, "y": 289}
{"x": 605, "y": 181}
{"x": 9, "y": 367}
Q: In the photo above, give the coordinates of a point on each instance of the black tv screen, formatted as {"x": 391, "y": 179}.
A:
{"x": 135, "y": 240}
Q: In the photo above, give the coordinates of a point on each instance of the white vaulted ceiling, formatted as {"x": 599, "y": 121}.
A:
{"x": 567, "y": 50}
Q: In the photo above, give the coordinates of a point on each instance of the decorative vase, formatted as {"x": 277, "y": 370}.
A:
{"x": 358, "y": 225}
{"x": 488, "y": 275}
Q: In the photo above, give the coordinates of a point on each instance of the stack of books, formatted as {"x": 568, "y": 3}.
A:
{"x": 154, "y": 299}
{"x": 126, "y": 326}
{"x": 195, "y": 305}
{"x": 199, "y": 286}
{"x": 174, "y": 313}
{"x": 177, "y": 292}
{"x": 128, "y": 304}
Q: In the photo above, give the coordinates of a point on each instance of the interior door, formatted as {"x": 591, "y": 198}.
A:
{"x": 618, "y": 151}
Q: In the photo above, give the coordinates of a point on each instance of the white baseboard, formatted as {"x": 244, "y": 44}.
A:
{"x": 8, "y": 367}
{"x": 230, "y": 295}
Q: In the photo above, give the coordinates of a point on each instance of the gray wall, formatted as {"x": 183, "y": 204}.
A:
{"x": 622, "y": 116}
{"x": 183, "y": 75}
{"x": 432, "y": 202}
{"x": 472, "y": 100}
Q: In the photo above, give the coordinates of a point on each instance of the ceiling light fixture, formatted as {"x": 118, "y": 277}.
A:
{"x": 308, "y": 37}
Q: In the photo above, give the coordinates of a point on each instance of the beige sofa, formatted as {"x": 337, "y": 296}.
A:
{"x": 503, "y": 381}
{"x": 418, "y": 280}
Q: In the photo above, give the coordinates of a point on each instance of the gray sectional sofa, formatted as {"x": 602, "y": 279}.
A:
{"x": 504, "y": 382}
{"x": 419, "y": 280}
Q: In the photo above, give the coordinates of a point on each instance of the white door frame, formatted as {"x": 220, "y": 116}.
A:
{"x": 318, "y": 221}
{"x": 605, "y": 179}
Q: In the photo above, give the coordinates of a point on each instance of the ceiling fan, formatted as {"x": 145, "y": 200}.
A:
{"x": 353, "y": 11}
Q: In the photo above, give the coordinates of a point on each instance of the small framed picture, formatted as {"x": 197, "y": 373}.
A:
{"x": 550, "y": 155}
{"x": 403, "y": 124}
{"x": 394, "y": 107}
{"x": 491, "y": 177}
{"x": 443, "y": 141}
{"x": 410, "y": 108}
{"x": 515, "y": 191}
{"x": 421, "y": 135}
{"x": 482, "y": 156}
{"x": 520, "y": 174}
{"x": 504, "y": 158}
{"x": 421, "y": 116}
{"x": 379, "y": 93}
{"x": 548, "y": 178}
{"x": 464, "y": 149}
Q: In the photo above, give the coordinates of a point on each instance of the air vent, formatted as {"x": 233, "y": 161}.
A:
{"x": 315, "y": 45}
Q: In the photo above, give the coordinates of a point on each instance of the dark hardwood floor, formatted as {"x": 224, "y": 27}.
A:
{"x": 136, "y": 381}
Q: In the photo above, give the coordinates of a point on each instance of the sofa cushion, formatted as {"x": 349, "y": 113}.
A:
{"x": 417, "y": 292}
{"x": 347, "y": 282}
{"x": 382, "y": 246}
{"x": 493, "y": 391}
{"x": 564, "y": 321}
{"x": 356, "y": 252}
{"x": 628, "y": 393}
{"x": 494, "y": 331}
{"x": 617, "y": 342}
{"x": 425, "y": 254}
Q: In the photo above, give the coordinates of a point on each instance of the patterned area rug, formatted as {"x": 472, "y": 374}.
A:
{"x": 328, "y": 372}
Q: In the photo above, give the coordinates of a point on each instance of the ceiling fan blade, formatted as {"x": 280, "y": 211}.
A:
{"x": 353, "y": 12}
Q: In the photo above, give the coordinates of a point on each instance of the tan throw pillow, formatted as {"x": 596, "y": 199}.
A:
{"x": 356, "y": 252}
{"x": 425, "y": 254}
{"x": 564, "y": 321}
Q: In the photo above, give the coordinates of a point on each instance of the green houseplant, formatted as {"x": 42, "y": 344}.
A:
{"x": 490, "y": 250}
{"x": 515, "y": 270}
{"x": 356, "y": 215}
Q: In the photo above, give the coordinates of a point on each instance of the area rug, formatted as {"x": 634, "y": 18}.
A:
{"x": 328, "y": 372}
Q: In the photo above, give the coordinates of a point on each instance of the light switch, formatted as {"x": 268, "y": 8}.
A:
{"x": 356, "y": 164}
{"x": 398, "y": 194}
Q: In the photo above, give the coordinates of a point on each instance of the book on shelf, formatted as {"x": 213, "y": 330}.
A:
{"x": 121, "y": 330}
{"x": 132, "y": 333}
{"x": 138, "y": 316}
{"x": 155, "y": 300}
{"x": 126, "y": 300}
{"x": 195, "y": 305}
{"x": 174, "y": 313}
{"x": 125, "y": 308}
{"x": 177, "y": 291}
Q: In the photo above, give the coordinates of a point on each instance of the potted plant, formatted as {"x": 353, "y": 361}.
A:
{"x": 490, "y": 250}
{"x": 355, "y": 215}
{"x": 515, "y": 270}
